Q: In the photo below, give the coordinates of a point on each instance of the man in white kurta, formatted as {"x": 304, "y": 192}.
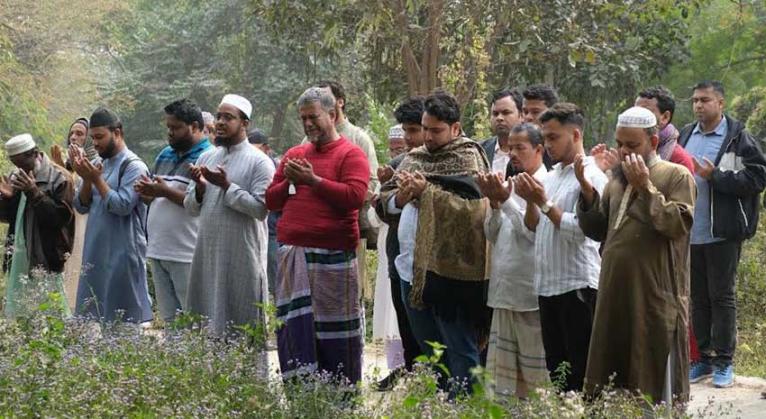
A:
{"x": 228, "y": 273}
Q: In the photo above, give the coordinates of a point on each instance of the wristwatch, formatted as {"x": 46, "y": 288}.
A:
{"x": 546, "y": 208}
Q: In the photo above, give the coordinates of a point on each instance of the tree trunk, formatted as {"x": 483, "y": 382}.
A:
{"x": 278, "y": 124}
{"x": 432, "y": 52}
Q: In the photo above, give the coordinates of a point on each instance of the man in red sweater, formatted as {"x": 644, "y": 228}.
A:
{"x": 319, "y": 187}
{"x": 660, "y": 101}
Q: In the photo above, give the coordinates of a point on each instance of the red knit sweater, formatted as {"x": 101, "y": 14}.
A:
{"x": 324, "y": 215}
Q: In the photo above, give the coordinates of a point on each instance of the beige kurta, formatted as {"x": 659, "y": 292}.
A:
{"x": 643, "y": 299}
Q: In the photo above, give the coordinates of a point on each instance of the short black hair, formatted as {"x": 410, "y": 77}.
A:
{"x": 443, "y": 106}
{"x": 257, "y": 136}
{"x": 187, "y": 111}
{"x": 541, "y": 92}
{"x": 410, "y": 110}
{"x": 337, "y": 90}
{"x": 513, "y": 93}
{"x": 665, "y": 100}
{"x": 534, "y": 135}
{"x": 566, "y": 113}
{"x": 707, "y": 84}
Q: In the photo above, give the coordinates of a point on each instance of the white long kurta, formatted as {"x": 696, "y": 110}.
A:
{"x": 228, "y": 273}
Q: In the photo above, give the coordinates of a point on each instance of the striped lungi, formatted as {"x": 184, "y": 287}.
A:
{"x": 317, "y": 297}
{"x": 516, "y": 357}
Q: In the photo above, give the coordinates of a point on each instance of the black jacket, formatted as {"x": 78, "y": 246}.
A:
{"x": 736, "y": 183}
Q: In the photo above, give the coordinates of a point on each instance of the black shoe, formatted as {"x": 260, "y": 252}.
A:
{"x": 388, "y": 383}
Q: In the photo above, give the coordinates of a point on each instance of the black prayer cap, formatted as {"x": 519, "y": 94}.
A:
{"x": 103, "y": 117}
{"x": 257, "y": 136}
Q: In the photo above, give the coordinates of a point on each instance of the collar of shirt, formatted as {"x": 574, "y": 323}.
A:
{"x": 719, "y": 130}
{"x": 117, "y": 157}
{"x": 170, "y": 154}
{"x": 541, "y": 172}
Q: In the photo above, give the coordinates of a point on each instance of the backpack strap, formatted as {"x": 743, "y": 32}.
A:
{"x": 123, "y": 167}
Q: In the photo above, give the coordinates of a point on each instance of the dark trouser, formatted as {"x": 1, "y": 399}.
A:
{"x": 459, "y": 336}
{"x": 409, "y": 344}
{"x": 714, "y": 304}
{"x": 566, "y": 321}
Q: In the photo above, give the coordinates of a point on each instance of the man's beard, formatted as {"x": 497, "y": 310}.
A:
{"x": 182, "y": 145}
{"x": 618, "y": 174}
{"x": 110, "y": 149}
{"x": 502, "y": 132}
{"x": 226, "y": 141}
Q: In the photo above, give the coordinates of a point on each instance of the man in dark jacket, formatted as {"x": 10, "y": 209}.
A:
{"x": 505, "y": 114}
{"x": 38, "y": 198}
{"x": 730, "y": 171}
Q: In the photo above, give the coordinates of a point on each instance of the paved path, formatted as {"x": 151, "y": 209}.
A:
{"x": 743, "y": 400}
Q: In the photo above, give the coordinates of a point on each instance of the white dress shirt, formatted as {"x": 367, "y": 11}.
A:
{"x": 566, "y": 260}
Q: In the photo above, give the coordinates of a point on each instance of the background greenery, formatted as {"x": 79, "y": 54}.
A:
{"x": 60, "y": 59}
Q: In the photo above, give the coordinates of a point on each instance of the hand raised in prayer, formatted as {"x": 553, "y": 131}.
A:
{"x": 704, "y": 169}
{"x": 418, "y": 184}
{"x": 385, "y": 174}
{"x": 530, "y": 189}
{"x": 586, "y": 188}
{"x": 25, "y": 182}
{"x": 216, "y": 177}
{"x": 6, "y": 190}
{"x": 57, "y": 155}
{"x": 606, "y": 158}
{"x": 300, "y": 172}
{"x": 89, "y": 171}
{"x": 491, "y": 186}
{"x": 200, "y": 183}
{"x": 636, "y": 172}
{"x": 151, "y": 188}
{"x": 404, "y": 194}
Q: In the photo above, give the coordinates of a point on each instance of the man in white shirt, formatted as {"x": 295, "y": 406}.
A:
{"x": 516, "y": 358}
{"x": 567, "y": 263}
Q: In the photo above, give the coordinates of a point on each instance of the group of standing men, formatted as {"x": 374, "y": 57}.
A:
{"x": 592, "y": 260}
{"x": 520, "y": 253}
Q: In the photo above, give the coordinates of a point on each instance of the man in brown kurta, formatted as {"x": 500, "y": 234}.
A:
{"x": 644, "y": 218}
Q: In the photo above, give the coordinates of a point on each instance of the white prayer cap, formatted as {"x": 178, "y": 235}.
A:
{"x": 19, "y": 144}
{"x": 238, "y": 102}
{"x": 396, "y": 132}
{"x": 637, "y": 117}
{"x": 208, "y": 118}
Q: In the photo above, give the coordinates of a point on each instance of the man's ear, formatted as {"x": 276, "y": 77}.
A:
{"x": 655, "y": 140}
{"x": 456, "y": 129}
{"x": 577, "y": 134}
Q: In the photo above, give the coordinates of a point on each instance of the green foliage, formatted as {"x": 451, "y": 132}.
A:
{"x": 750, "y": 108}
{"x": 381, "y": 120}
{"x": 727, "y": 42}
{"x": 751, "y": 299}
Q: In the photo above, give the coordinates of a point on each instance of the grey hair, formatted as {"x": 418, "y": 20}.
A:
{"x": 317, "y": 94}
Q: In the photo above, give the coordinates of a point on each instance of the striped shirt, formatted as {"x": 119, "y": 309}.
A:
{"x": 565, "y": 259}
{"x": 173, "y": 232}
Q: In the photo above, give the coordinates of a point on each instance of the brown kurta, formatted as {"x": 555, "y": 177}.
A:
{"x": 643, "y": 297}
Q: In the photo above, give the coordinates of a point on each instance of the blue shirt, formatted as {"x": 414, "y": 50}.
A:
{"x": 705, "y": 145}
{"x": 113, "y": 279}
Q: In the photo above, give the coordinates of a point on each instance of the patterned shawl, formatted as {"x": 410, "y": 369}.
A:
{"x": 668, "y": 140}
{"x": 450, "y": 248}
